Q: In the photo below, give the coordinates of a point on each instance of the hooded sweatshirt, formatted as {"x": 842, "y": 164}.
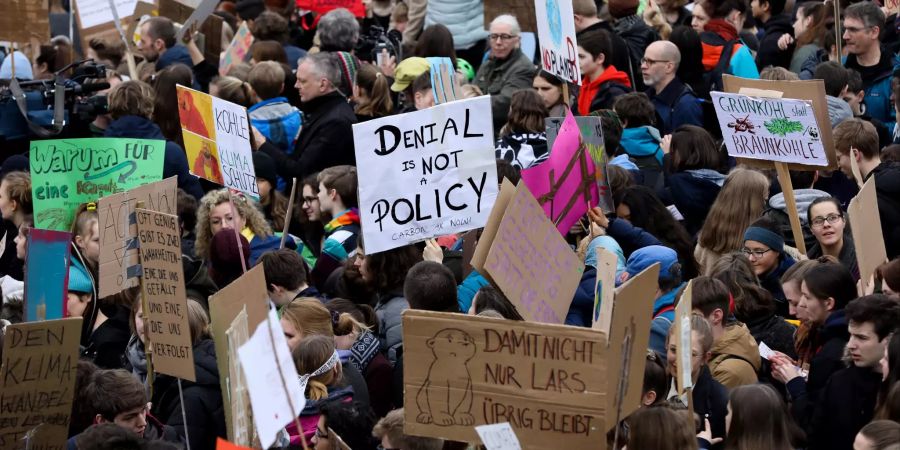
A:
{"x": 769, "y": 54}
{"x": 642, "y": 141}
{"x": 735, "y": 357}
{"x": 838, "y": 110}
{"x": 600, "y": 93}
{"x": 778, "y": 213}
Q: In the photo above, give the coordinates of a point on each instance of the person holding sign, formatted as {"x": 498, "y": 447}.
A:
{"x": 709, "y": 397}
{"x": 855, "y": 139}
{"x": 507, "y": 69}
{"x": 131, "y": 107}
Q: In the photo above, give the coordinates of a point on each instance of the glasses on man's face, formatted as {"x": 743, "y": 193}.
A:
{"x": 651, "y": 62}
{"x": 309, "y": 199}
{"x": 755, "y": 254}
{"x": 819, "y": 222}
{"x": 502, "y": 37}
{"x": 854, "y": 30}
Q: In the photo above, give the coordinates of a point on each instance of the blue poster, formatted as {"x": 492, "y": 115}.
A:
{"x": 46, "y": 274}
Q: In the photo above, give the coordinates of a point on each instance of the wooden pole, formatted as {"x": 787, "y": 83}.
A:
{"x": 837, "y": 30}
{"x": 290, "y": 211}
{"x": 784, "y": 179}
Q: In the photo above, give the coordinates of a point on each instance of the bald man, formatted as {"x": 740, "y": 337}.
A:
{"x": 675, "y": 102}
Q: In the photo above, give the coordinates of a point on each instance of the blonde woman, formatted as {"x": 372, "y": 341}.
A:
{"x": 216, "y": 213}
{"x": 741, "y": 201}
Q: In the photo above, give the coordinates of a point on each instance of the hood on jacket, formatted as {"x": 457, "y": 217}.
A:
{"x": 642, "y": 141}
{"x": 609, "y": 244}
{"x": 625, "y": 163}
{"x": 205, "y": 367}
{"x": 739, "y": 343}
{"x": 134, "y": 127}
{"x": 710, "y": 175}
{"x": 176, "y": 55}
{"x": 803, "y": 197}
{"x": 838, "y": 110}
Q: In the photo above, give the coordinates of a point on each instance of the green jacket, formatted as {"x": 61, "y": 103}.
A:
{"x": 501, "y": 79}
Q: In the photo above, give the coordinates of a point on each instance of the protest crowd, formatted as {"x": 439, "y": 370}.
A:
{"x": 392, "y": 224}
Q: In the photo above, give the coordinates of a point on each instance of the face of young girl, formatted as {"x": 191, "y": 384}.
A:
{"x": 21, "y": 244}
{"x": 75, "y": 305}
{"x": 7, "y": 206}
{"x": 139, "y": 322}
{"x": 89, "y": 243}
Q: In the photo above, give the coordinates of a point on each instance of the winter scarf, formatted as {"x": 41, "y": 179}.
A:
{"x": 364, "y": 350}
{"x": 348, "y": 217}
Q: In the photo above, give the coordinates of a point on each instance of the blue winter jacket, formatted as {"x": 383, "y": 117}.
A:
{"x": 464, "y": 19}
{"x": 175, "y": 162}
{"x": 467, "y": 290}
{"x": 878, "y": 88}
{"x": 676, "y": 105}
{"x": 663, "y": 316}
{"x": 642, "y": 141}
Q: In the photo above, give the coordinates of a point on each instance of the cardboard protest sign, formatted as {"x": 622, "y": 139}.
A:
{"x": 489, "y": 232}
{"x": 564, "y": 184}
{"x": 443, "y": 80}
{"x": 200, "y": 14}
{"x": 547, "y": 381}
{"x": 97, "y": 19}
{"x": 162, "y": 287}
{"x": 20, "y": 20}
{"x": 426, "y": 173}
{"x": 683, "y": 311}
{"x": 217, "y": 140}
{"x": 237, "y": 50}
{"x": 46, "y": 274}
{"x": 811, "y": 90}
{"x": 68, "y": 172}
{"x": 247, "y": 293}
{"x": 629, "y": 336}
{"x": 241, "y": 414}
{"x": 120, "y": 266}
{"x": 604, "y": 292}
{"x": 865, "y": 224}
{"x": 531, "y": 263}
{"x": 323, "y": 6}
{"x": 591, "y": 128}
{"x": 268, "y": 379}
{"x": 556, "y": 35}
{"x": 39, "y": 364}
{"x": 782, "y": 130}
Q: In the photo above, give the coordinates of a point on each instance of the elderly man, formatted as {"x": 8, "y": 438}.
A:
{"x": 674, "y": 101}
{"x": 326, "y": 139}
{"x": 507, "y": 70}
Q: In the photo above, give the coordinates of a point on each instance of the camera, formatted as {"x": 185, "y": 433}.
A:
{"x": 374, "y": 41}
{"x": 80, "y": 104}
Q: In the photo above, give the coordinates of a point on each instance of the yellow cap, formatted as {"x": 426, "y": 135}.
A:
{"x": 407, "y": 71}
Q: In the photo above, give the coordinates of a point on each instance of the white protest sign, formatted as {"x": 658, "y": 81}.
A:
{"x": 426, "y": 173}
{"x": 772, "y": 129}
{"x": 271, "y": 409}
{"x": 92, "y": 13}
{"x": 556, "y": 34}
{"x": 233, "y": 140}
{"x": 498, "y": 436}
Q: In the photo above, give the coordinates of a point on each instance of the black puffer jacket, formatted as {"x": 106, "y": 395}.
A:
{"x": 887, "y": 186}
{"x": 769, "y": 54}
{"x": 202, "y": 401}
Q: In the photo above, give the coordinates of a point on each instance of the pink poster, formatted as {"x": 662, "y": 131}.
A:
{"x": 564, "y": 184}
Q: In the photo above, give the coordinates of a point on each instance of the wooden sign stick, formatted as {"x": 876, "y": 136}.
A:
{"x": 565, "y": 93}
{"x": 288, "y": 214}
{"x": 784, "y": 179}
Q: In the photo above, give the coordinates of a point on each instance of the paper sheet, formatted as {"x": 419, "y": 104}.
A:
{"x": 498, "y": 436}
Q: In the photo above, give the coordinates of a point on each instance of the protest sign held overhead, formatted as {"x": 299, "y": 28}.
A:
{"x": 46, "y": 274}
{"x": 772, "y": 129}
{"x": 68, "y": 172}
{"x": 605, "y": 289}
{"x": 547, "y": 381}
{"x": 591, "y": 128}
{"x": 217, "y": 140}
{"x": 444, "y": 86}
{"x": 22, "y": 20}
{"x": 556, "y": 34}
{"x": 39, "y": 367}
{"x": 162, "y": 286}
{"x": 531, "y": 262}
{"x": 865, "y": 225}
{"x": 564, "y": 185}
{"x": 426, "y": 173}
{"x": 238, "y": 50}
{"x": 119, "y": 266}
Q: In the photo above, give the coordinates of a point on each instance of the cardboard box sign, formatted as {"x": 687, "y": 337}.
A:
{"x": 547, "y": 381}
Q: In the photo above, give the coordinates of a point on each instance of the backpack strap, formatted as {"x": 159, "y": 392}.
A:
{"x": 722, "y": 65}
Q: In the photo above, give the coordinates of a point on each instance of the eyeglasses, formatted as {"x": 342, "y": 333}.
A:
{"x": 651, "y": 62}
{"x": 502, "y": 37}
{"x": 819, "y": 222}
{"x": 756, "y": 254}
{"x": 310, "y": 199}
{"x": 854, "y": 30}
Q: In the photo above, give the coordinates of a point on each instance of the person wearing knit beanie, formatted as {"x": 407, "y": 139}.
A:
{"x": 225, "y": 257}
{"x": 349, "y": 65}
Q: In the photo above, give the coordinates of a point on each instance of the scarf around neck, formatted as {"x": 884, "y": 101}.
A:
{"x": 364, "y": 350}
{"x": 348, "y": 217}
{"x": 722, "y": 28}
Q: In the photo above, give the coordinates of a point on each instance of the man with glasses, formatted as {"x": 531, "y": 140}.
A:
{"x": 675, "y": 102}
{"x": 863, "y": 23}
{"x": 507, "y": 69}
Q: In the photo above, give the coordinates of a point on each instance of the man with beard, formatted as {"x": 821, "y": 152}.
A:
{"x": 675, "y": 102}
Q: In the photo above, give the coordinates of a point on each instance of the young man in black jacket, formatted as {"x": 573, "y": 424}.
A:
{"x": 770, "y": 14}
{"x": 847, "y": 402}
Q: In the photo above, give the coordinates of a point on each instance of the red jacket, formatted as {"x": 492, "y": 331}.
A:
{"x": 590, "y": 89}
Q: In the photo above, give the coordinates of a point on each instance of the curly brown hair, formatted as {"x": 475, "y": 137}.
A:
{"x": 253, "y": 218}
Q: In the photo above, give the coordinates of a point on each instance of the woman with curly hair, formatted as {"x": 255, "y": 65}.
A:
{"x": 219, "y": 209}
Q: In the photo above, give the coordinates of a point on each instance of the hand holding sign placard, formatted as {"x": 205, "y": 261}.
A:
{"x": 426, "y": 173}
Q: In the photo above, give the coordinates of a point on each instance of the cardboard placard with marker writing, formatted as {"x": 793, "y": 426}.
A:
{"x": 162, "y": 286}
{"x": 39, "y": 366}
{"x": 120, "y": 267}
{"x": 547, "y": 381}
{"x": 531, "y": 262}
